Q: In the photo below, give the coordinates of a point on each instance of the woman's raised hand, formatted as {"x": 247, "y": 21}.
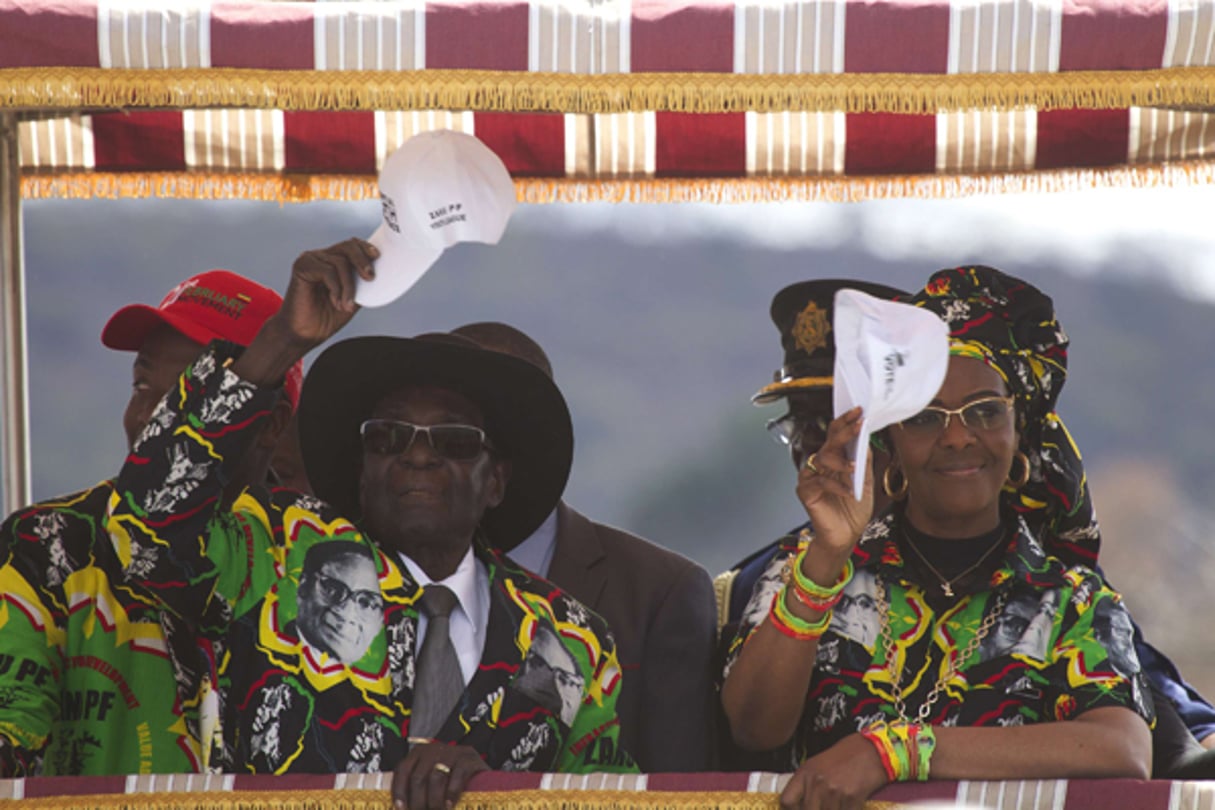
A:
{"x": 824, "y": 486}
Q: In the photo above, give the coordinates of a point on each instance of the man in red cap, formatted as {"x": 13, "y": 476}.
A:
{"x": 93, "y": 679}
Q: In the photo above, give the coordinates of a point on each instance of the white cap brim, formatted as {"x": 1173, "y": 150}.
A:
{"x": 437, "y": 189}
{"x": 890, "y": 358}
{"x": 402, "y": 262}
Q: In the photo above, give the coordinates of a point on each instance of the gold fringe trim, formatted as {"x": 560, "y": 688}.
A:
{"x": 381, "y": 800}
{"x": 279, "y": 188}
{"x": 214, "y": 800}
{"x": 309, "y": 188}
{"x": 525, "y": 91}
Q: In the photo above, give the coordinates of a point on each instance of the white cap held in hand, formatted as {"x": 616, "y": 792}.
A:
{"x": 890, "y": 358}
{"x": 438, "y": 188}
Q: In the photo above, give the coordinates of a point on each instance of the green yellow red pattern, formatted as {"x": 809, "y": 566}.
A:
{"x": 94, "y": 678}
{"x": 1056, "y": 648}
{"x": 288, "y": 706}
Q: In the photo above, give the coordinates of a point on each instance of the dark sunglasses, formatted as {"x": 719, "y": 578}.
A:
{"x": 455, "y": 442}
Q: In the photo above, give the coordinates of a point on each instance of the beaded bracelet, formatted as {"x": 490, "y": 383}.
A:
{"x": 793, "y": 626}
{"x": 924, "y": 740}
{"x": 891, "y": 752}
{"x": 812, "y": 589}
{"x": 905, "y": 749}
{"x": 812, "y": 603}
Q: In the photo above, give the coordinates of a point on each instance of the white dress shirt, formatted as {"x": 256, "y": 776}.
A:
{"x": 470, "y": 616}
{"x": 536, "y": 552}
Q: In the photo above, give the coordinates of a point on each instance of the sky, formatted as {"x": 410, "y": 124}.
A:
{"x": 1093, "y": 229}
{"x": 1088, "y": 227}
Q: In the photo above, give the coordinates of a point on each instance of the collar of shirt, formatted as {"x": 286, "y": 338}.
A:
{"x": 470, "y": 618}
{"x": 1025, "y": 563}
{"x": 536, "y": 552}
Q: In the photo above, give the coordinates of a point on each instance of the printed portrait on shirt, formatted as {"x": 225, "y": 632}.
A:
{"x": 550, "y": 676}
{"x": 763, "y": 592}
{"x": 856, "y": 614}
{"x": 1112, "y": 627}
{"x": 1023, "y": 627}
{"x": 340, "y": 610}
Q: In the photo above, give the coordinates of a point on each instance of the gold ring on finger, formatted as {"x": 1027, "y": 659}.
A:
{"x": 810, "y": 465}
{"x": 442, "y": 767}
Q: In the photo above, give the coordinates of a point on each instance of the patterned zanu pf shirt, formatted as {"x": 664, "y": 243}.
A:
{"x": 1060, "y": 645}
{"x": 94, "y": 678}
{"x": 320, "y": 626}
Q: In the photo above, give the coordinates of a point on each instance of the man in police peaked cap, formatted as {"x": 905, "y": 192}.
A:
{"x": 803, "y": 314}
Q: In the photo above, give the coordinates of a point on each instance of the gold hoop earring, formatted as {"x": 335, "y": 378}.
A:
{"x": 1022, "y": 479}
{"x": 894, "y": 494}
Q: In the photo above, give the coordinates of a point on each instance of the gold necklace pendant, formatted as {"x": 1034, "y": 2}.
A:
{"x": 957, "y": 662}
{"x": 947, "y": 584}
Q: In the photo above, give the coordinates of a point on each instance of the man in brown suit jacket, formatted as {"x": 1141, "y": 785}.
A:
{"x": 659, "y": 605}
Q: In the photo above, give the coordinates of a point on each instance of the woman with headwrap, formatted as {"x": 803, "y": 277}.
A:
{"x": 973, "y": 646}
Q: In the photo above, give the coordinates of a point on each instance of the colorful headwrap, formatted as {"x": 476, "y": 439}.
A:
{"x": 1010, "y": 325}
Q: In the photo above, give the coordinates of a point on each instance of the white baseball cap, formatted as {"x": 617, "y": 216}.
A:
{"x": 890, "y": 358}
{"x": 438, "y": 188}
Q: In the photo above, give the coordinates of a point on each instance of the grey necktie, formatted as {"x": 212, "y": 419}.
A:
{"x": 439, "y": 682}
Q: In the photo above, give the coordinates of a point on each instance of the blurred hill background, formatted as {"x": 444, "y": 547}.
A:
{"x": 656, "y": 320}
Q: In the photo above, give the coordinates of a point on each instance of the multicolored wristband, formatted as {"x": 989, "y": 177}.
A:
{"x": 924, "y": 742}
{"x": 905, "y": 749}
{"x": 809, "y": 592}
{"x": 812, "y": 603}
{"x": 793, "y": 626}
{"x": 892, "y": 755}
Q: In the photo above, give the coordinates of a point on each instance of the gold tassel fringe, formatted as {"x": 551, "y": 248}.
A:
{"x": 525, "y": 91}
{"x": 381, "y": 800}
{"x": 308, "y": 188}
{"x": 214, "y": 800}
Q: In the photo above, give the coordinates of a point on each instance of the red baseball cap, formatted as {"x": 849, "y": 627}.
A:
{"x": 215, "y": 304}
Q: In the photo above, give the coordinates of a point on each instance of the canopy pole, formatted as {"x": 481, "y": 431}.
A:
{"x": 14, "y": 398}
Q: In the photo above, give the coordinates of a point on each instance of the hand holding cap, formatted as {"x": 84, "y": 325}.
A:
{"x": 890, "y": 358}
{"x": 438, "y": 188}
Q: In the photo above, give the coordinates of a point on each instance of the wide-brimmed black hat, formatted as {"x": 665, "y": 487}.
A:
{"x": 803, "y": 314}
{"x": 525, "y": 417}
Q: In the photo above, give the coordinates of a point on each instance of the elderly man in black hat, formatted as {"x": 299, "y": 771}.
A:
{"x": 803, "y": 314}
{"x": 428, "y": 449}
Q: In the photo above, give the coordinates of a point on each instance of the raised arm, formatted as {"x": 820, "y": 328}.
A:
{"x": 765, "y": 687}
{"x": 163, "y": 519}
{"x": 163, "y": 516}
{"x": 319, "y": 301}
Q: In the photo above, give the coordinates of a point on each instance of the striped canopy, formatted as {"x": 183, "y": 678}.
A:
{"x": 612, "y": 99}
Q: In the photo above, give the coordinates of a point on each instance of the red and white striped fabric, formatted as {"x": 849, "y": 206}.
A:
{"x": 624, "y": 146}
{"x": 613, "y": 36}
{"x": 642, "y": 99}
{"x": 590, "y": 791}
